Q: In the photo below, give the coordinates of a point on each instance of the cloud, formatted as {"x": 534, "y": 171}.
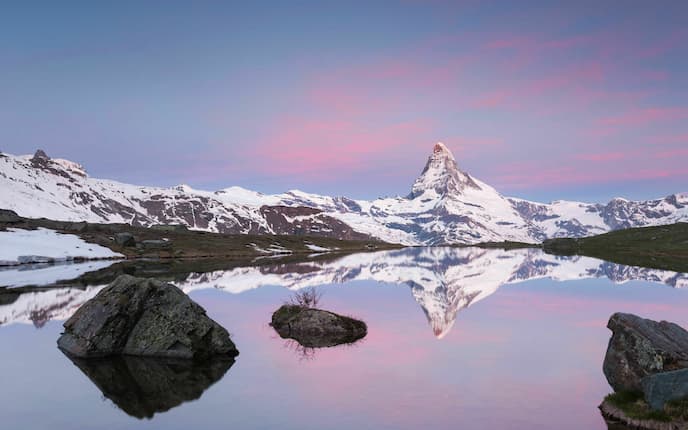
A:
{"x": 644, "y": 116}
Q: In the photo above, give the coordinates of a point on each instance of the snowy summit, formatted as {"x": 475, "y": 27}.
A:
{"x": 445, "y": 206}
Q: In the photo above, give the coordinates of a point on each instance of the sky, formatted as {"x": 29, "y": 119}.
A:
{"x": 580, "y": 100}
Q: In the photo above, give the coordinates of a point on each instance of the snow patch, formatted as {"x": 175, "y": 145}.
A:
{"x": 17, "y": 245}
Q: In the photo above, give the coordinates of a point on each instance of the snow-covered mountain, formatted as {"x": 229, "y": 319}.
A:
{"x": 443, "y": 280}
{"x": 445, "y": 206}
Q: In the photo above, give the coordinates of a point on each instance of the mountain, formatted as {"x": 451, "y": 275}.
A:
{"x": 442, "y": 280}
{"x": 445, "y": 206}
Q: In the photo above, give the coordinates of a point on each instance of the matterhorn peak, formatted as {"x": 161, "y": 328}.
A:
{"x": 441, "y": 149}
{"x": 441, "y": 175}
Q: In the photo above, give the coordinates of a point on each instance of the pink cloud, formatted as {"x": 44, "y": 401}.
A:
{"x": 671, "y": 153}
{"x": 533, "y": 175}
{"x": 605, "y": 156}
{"x": 491, "y": 99}
{"x": 643, "y": 116}
{"x": 321, "y": 147}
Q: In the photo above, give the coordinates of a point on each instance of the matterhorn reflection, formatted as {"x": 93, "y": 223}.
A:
{"x": 443, "y": 280}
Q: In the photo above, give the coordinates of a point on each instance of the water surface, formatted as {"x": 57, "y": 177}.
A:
{"x": 458, "y": 338}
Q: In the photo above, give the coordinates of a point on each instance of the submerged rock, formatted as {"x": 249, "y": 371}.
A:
{"x": 640, "y": 347}
{"x": 663, "y": 387}
{"x": 146, "y": 317}
{"x": 316, "y": 328}
{"x": 144, "y": 386}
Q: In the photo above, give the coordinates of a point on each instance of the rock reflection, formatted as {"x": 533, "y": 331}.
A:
{"x": 143, "y": 386}
{"x": 309, "y": 353}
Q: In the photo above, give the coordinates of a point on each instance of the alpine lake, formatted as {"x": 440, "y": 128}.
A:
{"x": 457, "y": 338}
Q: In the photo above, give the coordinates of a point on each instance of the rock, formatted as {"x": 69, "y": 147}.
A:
{"x": 663, "y": 387}
{"x": 125, "y": 239}
{"x": 144, "y": 386}
{"x": 40, "y": 155}
{"x": 9, "y": 216}
{"x": 146, "y": 317}
{"x": 316, "y": 328}
{"x": 640, "y": 347}
{"x": 156, "y": 244}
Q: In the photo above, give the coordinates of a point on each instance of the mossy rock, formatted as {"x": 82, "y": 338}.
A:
{"x": 629, "y": 408}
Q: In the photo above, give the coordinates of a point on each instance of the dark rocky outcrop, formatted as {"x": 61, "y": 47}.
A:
{"x": 640, "y": 347}
{"x": 315, "y": 328}
{"x": 144, "y": 386}
{"x": 125, "y": 239}
{"x": 663, "y": 387}
{"x": 145, "y": 317}
{"x": 9, "y": 217}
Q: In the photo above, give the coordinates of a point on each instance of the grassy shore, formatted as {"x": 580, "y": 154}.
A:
{"x": 661, "y": 247}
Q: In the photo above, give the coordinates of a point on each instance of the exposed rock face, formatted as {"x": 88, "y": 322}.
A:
{"x": 315, "y": 328}
{"x": 145, "y": 317}
{"x": 640, "y": 347}
{"x": 9, "y": 216}
{"x": 308, "y": 221}
{"x": 663, "y": 387}
{"x": 125, "y": 239}
{"x": 144, "y": 386}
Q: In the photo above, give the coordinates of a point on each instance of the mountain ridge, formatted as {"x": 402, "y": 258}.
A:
{"x": 445, "y": 206}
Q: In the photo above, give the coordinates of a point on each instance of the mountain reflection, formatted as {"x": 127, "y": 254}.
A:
{"x": 442, "y": 280}
{"x": 143, "y": 386}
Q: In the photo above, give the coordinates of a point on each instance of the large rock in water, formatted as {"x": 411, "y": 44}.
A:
{"x": 145, "y": 317}
{"x": 640, "y": 347}
{"x": 315, "y": 328}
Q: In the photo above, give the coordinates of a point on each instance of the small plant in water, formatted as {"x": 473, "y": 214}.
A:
{"x": 307, "y": 298}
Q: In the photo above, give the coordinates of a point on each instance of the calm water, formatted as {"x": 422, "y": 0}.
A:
{"x": 458, "y": 338}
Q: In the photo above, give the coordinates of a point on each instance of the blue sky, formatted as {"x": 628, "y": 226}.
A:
{"x": 578, "y": 100}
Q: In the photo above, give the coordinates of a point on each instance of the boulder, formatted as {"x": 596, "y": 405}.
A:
{"x": 640, "y": 347}
{"x": 316, "y": 328}
{"x": 663, "y": 387}
{"x": 145, "y": 317}
{"x": 144, "y": 386}
{"x": 125, "y": 239}
{"x": 9, "y": 216}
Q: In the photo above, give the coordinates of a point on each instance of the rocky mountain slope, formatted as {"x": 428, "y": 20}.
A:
{"x": 445, "y": 206}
